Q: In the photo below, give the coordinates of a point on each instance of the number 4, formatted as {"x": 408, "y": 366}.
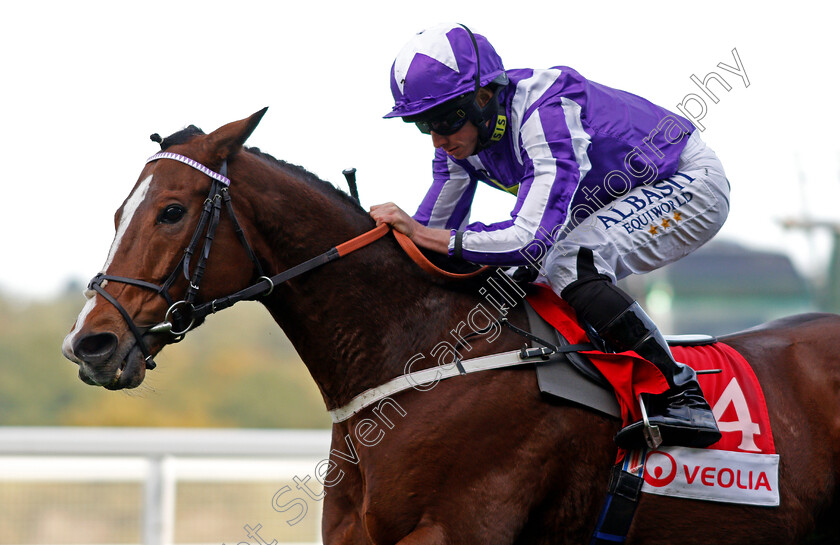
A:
{"x": 735, "y": 396}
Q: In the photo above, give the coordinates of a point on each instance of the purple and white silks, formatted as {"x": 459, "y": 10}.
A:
{"x": 572, "y": 146}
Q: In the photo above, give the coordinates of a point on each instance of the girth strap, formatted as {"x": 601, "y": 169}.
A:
{"x": 626, "y": 479}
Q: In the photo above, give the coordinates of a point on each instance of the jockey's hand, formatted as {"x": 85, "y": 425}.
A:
{"x": 436, "y": 240}
{"x": 394, "y": 216}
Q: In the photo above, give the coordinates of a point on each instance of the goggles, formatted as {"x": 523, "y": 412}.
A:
{"x": 446, "y": 124}
{"x": 447, "y": 118}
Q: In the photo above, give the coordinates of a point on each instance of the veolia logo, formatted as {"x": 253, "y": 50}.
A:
{"x": 660, "y": 469}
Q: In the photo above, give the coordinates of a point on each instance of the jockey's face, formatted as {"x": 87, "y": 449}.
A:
{"x": 463, "y": 143}
{"x": 459, "y": 145}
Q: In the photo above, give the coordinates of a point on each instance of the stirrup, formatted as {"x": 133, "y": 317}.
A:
{"x": 653, "y": 437}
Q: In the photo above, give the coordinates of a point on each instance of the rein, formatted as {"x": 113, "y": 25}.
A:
{"x": 182, "y": 315}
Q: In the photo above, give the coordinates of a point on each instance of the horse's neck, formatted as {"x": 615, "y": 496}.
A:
{"x": 356, "y": 328}
{"x": 355, "y": 322}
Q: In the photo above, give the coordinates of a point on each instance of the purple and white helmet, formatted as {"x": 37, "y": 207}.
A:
{"x": 439, "y": 64}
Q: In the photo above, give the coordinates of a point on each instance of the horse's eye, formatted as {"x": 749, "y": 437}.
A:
{"x": 172, "y": 214}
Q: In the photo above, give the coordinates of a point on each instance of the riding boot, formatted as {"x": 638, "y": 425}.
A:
{"x": 619, "y": 324}
{"x": 681, "y": 413}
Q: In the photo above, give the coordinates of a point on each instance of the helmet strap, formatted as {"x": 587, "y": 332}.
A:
{"x": 491, "y": 123}
{"x": 482, "y": 116}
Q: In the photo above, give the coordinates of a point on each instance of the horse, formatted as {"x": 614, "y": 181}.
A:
{"x": 477, "y": 459}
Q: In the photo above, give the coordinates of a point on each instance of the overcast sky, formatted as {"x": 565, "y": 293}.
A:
{"x": 85, "y": 83}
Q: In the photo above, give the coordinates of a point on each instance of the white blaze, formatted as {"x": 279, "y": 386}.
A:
{"x": 130, "y": 208}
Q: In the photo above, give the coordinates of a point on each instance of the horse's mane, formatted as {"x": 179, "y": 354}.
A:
{"x": 185, "y": 135}
{"x": 313, "y": 180}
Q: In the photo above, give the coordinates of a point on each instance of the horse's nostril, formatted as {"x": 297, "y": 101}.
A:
{"x": 96, "y": 348}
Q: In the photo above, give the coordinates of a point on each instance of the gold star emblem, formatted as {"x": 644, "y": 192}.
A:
{"x": 677, "y": 216}
{"x": 666, "y": 223}
{"x": 653, "y": 230}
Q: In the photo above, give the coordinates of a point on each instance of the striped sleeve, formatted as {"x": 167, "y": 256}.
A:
{"x": 553, "y": 150}
{"x": 448, "y": 201}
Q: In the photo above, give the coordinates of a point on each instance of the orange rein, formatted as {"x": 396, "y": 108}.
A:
{"x": 408, "y": 247}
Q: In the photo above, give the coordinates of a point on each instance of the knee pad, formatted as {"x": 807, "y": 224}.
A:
{"x": 595, "y": 298}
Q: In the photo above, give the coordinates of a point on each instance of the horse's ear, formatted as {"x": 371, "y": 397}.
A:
{"x": 229, "y": 139}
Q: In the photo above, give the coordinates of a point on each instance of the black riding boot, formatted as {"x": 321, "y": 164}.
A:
{"x": 681, "y": 413}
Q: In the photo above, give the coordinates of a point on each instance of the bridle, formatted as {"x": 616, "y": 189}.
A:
{"x": 182, "y": 315}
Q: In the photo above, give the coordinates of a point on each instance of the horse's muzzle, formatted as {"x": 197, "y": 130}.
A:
{"x": 103, "y": 362}
{"x": 96, "y": 348}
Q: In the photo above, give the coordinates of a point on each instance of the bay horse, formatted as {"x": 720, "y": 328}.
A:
{"x": 478, "y": 459}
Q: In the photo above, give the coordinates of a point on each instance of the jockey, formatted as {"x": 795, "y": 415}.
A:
{"x": 607, "y": 184}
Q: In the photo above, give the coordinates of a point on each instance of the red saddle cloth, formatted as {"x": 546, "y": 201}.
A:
{"x": 734, "y": 394}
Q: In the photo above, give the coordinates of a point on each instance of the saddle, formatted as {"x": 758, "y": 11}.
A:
{"x": 573, "y": 377}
